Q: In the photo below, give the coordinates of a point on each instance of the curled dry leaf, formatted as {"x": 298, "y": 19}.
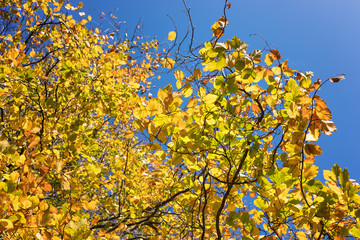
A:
{"x": 223, "y": 22}
{"x": 336, "y": 79}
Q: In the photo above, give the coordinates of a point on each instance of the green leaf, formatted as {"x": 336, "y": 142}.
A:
{"x": 235, "y": 42}
{"x": 314, "y": 185}
{"x": 344, "y": 177}
{"x": 239, "y": 65}
{"x": 336, "y": 170}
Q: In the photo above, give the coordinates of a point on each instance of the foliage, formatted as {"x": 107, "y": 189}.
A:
{"x": 86, "y": 155}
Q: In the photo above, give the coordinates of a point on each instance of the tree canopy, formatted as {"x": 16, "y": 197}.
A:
{"x": 226, "y": 152}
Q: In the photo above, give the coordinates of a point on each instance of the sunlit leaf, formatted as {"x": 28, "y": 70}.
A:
{"x": 275, "y": 54}
{"x": 172, "y": 36}
{"x": 312, "y": 150}
{"x": 336, "y": 79}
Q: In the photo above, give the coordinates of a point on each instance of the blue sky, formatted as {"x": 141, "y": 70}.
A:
{"x": 322, "y": 36}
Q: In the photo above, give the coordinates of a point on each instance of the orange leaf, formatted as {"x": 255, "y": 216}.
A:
{"x": 34, "y": 143}
{"x": 255, "y": 108}
{"x": 275, "y": 54}
{"x": 46, "y": 186}
{"x": 218, "y": 32}
{"x": 320, "y": 104}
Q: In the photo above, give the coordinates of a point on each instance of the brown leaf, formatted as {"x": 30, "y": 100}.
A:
{"x": 312, "y": 150}
{"x": 336, "y": 79}
{"x": 229, "y": 5}
{"x": 317, "y": 83}
{"x": 275, "y": 54}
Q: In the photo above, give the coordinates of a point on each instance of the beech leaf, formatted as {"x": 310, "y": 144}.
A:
{"x": 312, "y": 150}
{"x": 336, "y": 79}
{"x": 172, "y": 36}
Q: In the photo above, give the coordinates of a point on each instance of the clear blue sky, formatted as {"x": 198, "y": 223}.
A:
{"x": 322, "y": 36}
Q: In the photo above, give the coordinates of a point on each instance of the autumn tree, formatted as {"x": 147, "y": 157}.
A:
{"x": 228, "y": 152}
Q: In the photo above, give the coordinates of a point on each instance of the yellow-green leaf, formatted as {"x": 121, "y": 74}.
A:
{"x": 210, "y": 98}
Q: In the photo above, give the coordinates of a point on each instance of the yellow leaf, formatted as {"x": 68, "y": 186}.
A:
{"x": 12, "y": 54}
{"x": 268, "y": 60}
{"x": 129, "y": 134}
{"x": 179, "y": 75}
{"x": 89, "y": 18}
{"x": 276, "y": 70}
{"x": 172, "y": 36}
{"x": 26, "y": 204}
{"x": 168, "y": 63}
{"x": 179, "y": 84}
{"x": 22, "y": 159}
{"x": 3, "y": 145}
{"x": 187, "y": 90}
{"x": 14, "y": 176}
{"x": 162, "y": 94}
{"x": 311, "y": 172}
{"x": 153, "y": 107}
{"x": 320, "y": 104}
{"x": 35, "y": 130}
{"x": 293, "y": 111}
{"x": 210, "y": 98}
{"x": 91, "y": 205}
{"x": 32, "y": 53}
{"x": 83, "y": 22}
{"x": 329, "y": 176}
{"x": 324, "y": 114}
{"x": 71, "y": 23}
{"x": 301, "y": 236}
